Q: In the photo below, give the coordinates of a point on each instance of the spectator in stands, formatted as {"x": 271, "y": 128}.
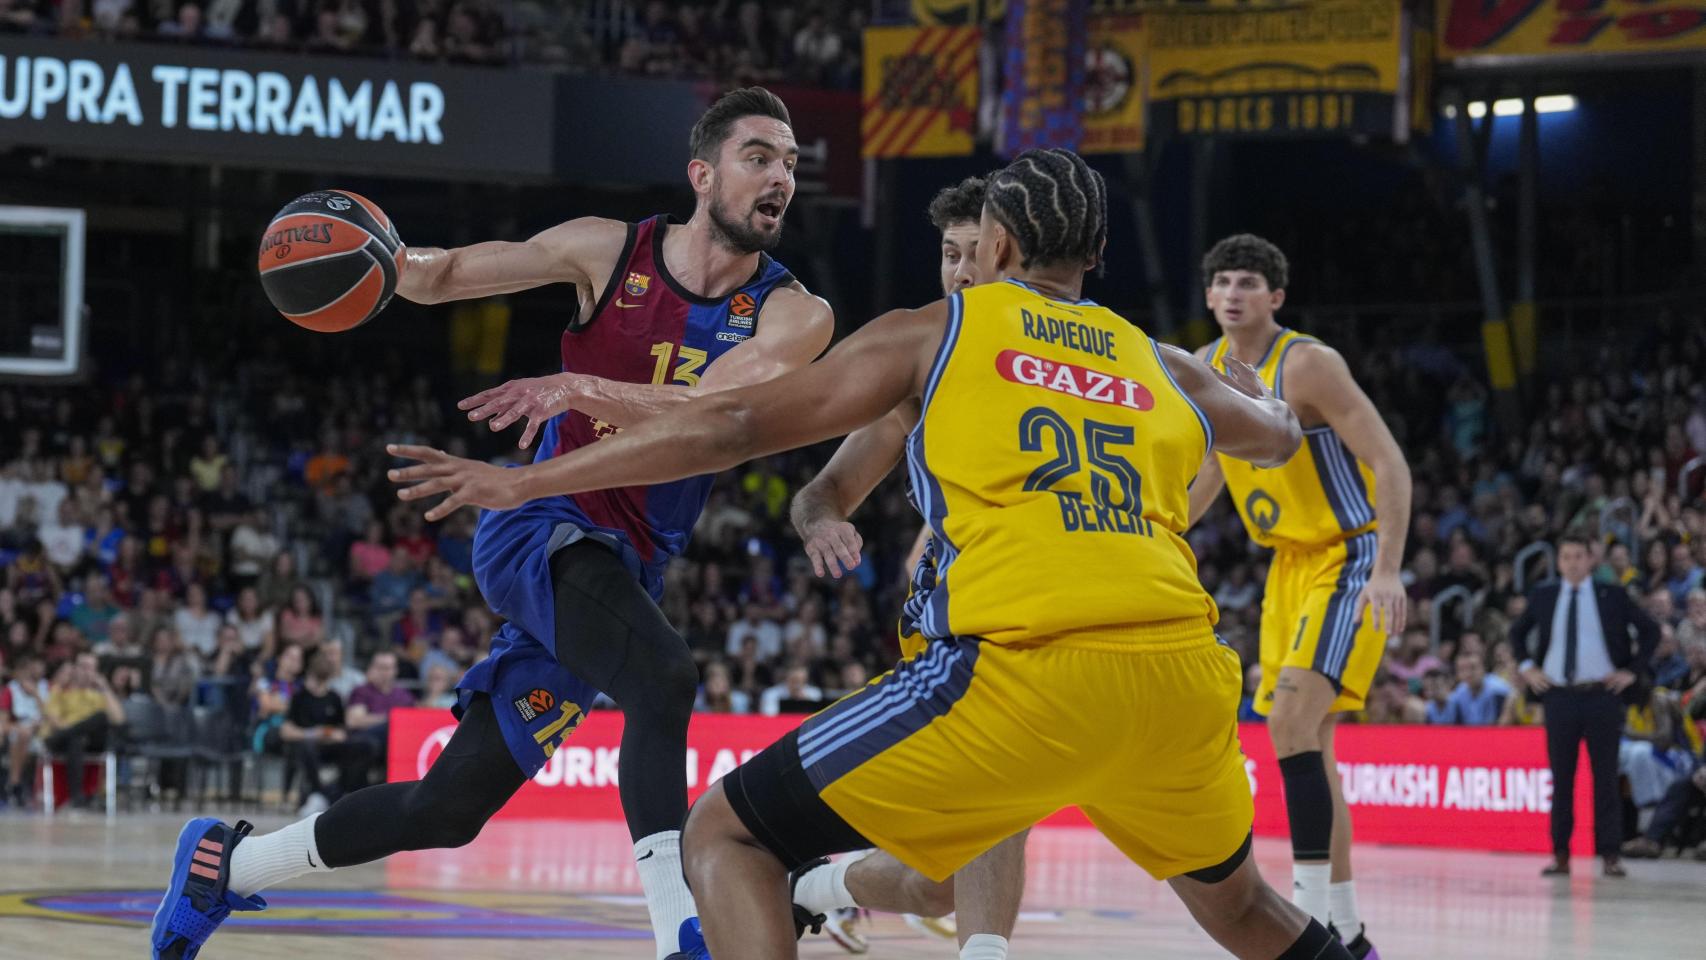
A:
{"x": 254, "y": 625}
{"x": 1670, "y": 667}
{"x": 62, "y": 538}
{"x": 439, "y": 689}
{"x": 273, "y": 688}
{"x": 316, "y": 732}
{"x": 371, "y": 704}
{"x": 1685, "y": 574}
{"x": 796, "y": 687}
{"x": 172, "y": 670}
{"x": 208, "y": 465}
{"x": 1392, "y": 702}
{"x": 1693, "y": 624}
{"x": 1670, "y": 825}
{"x": 94, "y": 616}
{"x": 300, "y": 623}
{"x": 369, "y": 556}
{"x": 417, "y": 630}
{"x": 230, "y": 672}
{"x": 753, "y": 626}
{"x": 717, "y": 694}
{"x": 28, "y": 694}
{"x": 1412, "y": 660}
{"x": 79, "y": 717}
{"x": 197, "y": 625}
{"x": 1479, "y": 699}
{"x": 279, "y": 581}
{"x": 344, "y": 678}
{"x": 389, "y": 594}
{"x": 1436, "y": 689}
{"x": 1653, "y": 753}
{"x": 253, "y": 547}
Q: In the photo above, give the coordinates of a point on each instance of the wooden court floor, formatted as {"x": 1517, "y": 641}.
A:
{"x": 80, "y": 886}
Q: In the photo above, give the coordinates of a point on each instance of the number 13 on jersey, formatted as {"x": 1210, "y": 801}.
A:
{"x": 1110, "y": 472}
{"x": 688, "y": 362}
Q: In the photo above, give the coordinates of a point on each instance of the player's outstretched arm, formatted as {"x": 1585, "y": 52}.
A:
{"x": 1249, "y": 422}
{"x": 870, "y": 373}
{"x": 1320, "y": 384}
{"x": 821, "y": 509}
{"x": 793, "y": 329}
{"x": 571, "y": 252}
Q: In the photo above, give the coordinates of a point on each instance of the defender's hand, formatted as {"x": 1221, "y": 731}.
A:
{"x": 469, "y": 482}
{"x": 536, "y": 398}
{"x": 833, "y": 546}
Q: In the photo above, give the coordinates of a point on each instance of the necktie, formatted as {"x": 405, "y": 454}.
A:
{"x": 1570, "y": 639}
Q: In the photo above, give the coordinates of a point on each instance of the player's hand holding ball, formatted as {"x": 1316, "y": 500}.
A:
{"x": 330, "y": 260}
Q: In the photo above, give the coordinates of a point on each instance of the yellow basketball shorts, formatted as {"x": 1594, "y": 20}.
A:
{"x": 969, "y": 742}
{"x": 1311, "y": 619}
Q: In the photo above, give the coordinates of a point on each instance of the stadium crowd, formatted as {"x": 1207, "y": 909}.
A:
{"x": 222, "y": 535}
{"x": 735, "y": 43}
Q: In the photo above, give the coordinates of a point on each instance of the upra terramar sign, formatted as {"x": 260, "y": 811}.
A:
{"x": 185, "y": 103}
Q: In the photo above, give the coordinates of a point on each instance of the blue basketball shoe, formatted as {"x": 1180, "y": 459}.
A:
{"x": 197, "y": 901}
{"x": 692, "y": 942}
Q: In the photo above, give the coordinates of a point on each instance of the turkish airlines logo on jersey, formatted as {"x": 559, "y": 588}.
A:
{"x": 1072, "y": 380}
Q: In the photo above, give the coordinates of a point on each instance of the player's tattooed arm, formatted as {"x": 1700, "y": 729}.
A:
{"x": 821, "y": 509}
{"x": 881, "y": 365}
{"x": 572, "y": 252}
{"x": 1323, "y": 390}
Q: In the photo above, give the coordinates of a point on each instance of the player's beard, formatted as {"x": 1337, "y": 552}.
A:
{"x": 740, "y": 235}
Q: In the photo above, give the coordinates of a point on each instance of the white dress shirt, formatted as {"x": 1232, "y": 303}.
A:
{"x": 1593, "y": 659}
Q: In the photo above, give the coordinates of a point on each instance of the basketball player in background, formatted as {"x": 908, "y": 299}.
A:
{"x": 986, "y": 893}
{"x": 1071, "y": 642}
{"x": 667, "y": 311}
{"x": 1336, "y": 516}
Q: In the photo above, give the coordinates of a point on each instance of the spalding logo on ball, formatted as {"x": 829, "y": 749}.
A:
{"x": 330, "y": 260}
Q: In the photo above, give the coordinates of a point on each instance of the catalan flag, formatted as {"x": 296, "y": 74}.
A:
{"x": 921, "y": 88}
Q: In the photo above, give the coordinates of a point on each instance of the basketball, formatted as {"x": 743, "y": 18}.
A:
{"x": 329, "y": 261}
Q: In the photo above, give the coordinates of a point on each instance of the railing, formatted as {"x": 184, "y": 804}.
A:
{"x": 1629, "y": 531}
{"x": 1466, "y": 604}
{"x": 1520, "y": 564}
{"x": 1687, "y": 473}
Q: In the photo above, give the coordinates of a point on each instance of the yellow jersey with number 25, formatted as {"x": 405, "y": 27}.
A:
{"x": 1052, "y": 463}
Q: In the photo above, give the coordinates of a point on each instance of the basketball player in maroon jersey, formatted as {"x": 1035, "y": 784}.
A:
{"x": 667, "y": 311}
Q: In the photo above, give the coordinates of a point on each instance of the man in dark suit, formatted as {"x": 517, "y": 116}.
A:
{"x": 1589, "y": 647}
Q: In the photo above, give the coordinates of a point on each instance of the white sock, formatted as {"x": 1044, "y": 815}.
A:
{"x": 1309, "y": 882}
{"x": 261, "y": 862}
{"x": 1342, "y": 898}
{"x": 658, "y": 858}
{"x": 824, "y": 890}
{"x": 984, "y": 946}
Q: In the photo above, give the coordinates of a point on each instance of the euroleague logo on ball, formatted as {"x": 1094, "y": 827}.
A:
{"x": 337, "y": 203}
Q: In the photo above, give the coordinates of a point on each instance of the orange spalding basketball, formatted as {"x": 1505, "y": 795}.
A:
{"x": 329, "y": 261}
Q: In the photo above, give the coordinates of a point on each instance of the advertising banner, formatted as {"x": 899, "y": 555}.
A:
{"x": 1474, "y": 32}
{"x": 1332, "y": 67}
{"x": 1470, "y": 788}
{"x": 176, "y": 103}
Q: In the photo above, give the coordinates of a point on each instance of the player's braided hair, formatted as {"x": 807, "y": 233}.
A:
{"x": 960, "y": 203}
{"x": 1246, "y": 251}
{"x": 1054, "y": 205}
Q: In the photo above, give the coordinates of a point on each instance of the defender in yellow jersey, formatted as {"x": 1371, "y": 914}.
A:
{"x": 1072, "y": 657}
{"x": 1335, "y": 515}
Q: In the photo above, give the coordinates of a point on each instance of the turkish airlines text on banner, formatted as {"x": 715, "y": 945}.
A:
{"x": 1472, "y": 788}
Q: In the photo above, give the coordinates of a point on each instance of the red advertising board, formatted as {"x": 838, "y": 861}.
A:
{"x": 1479, "y": 789}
